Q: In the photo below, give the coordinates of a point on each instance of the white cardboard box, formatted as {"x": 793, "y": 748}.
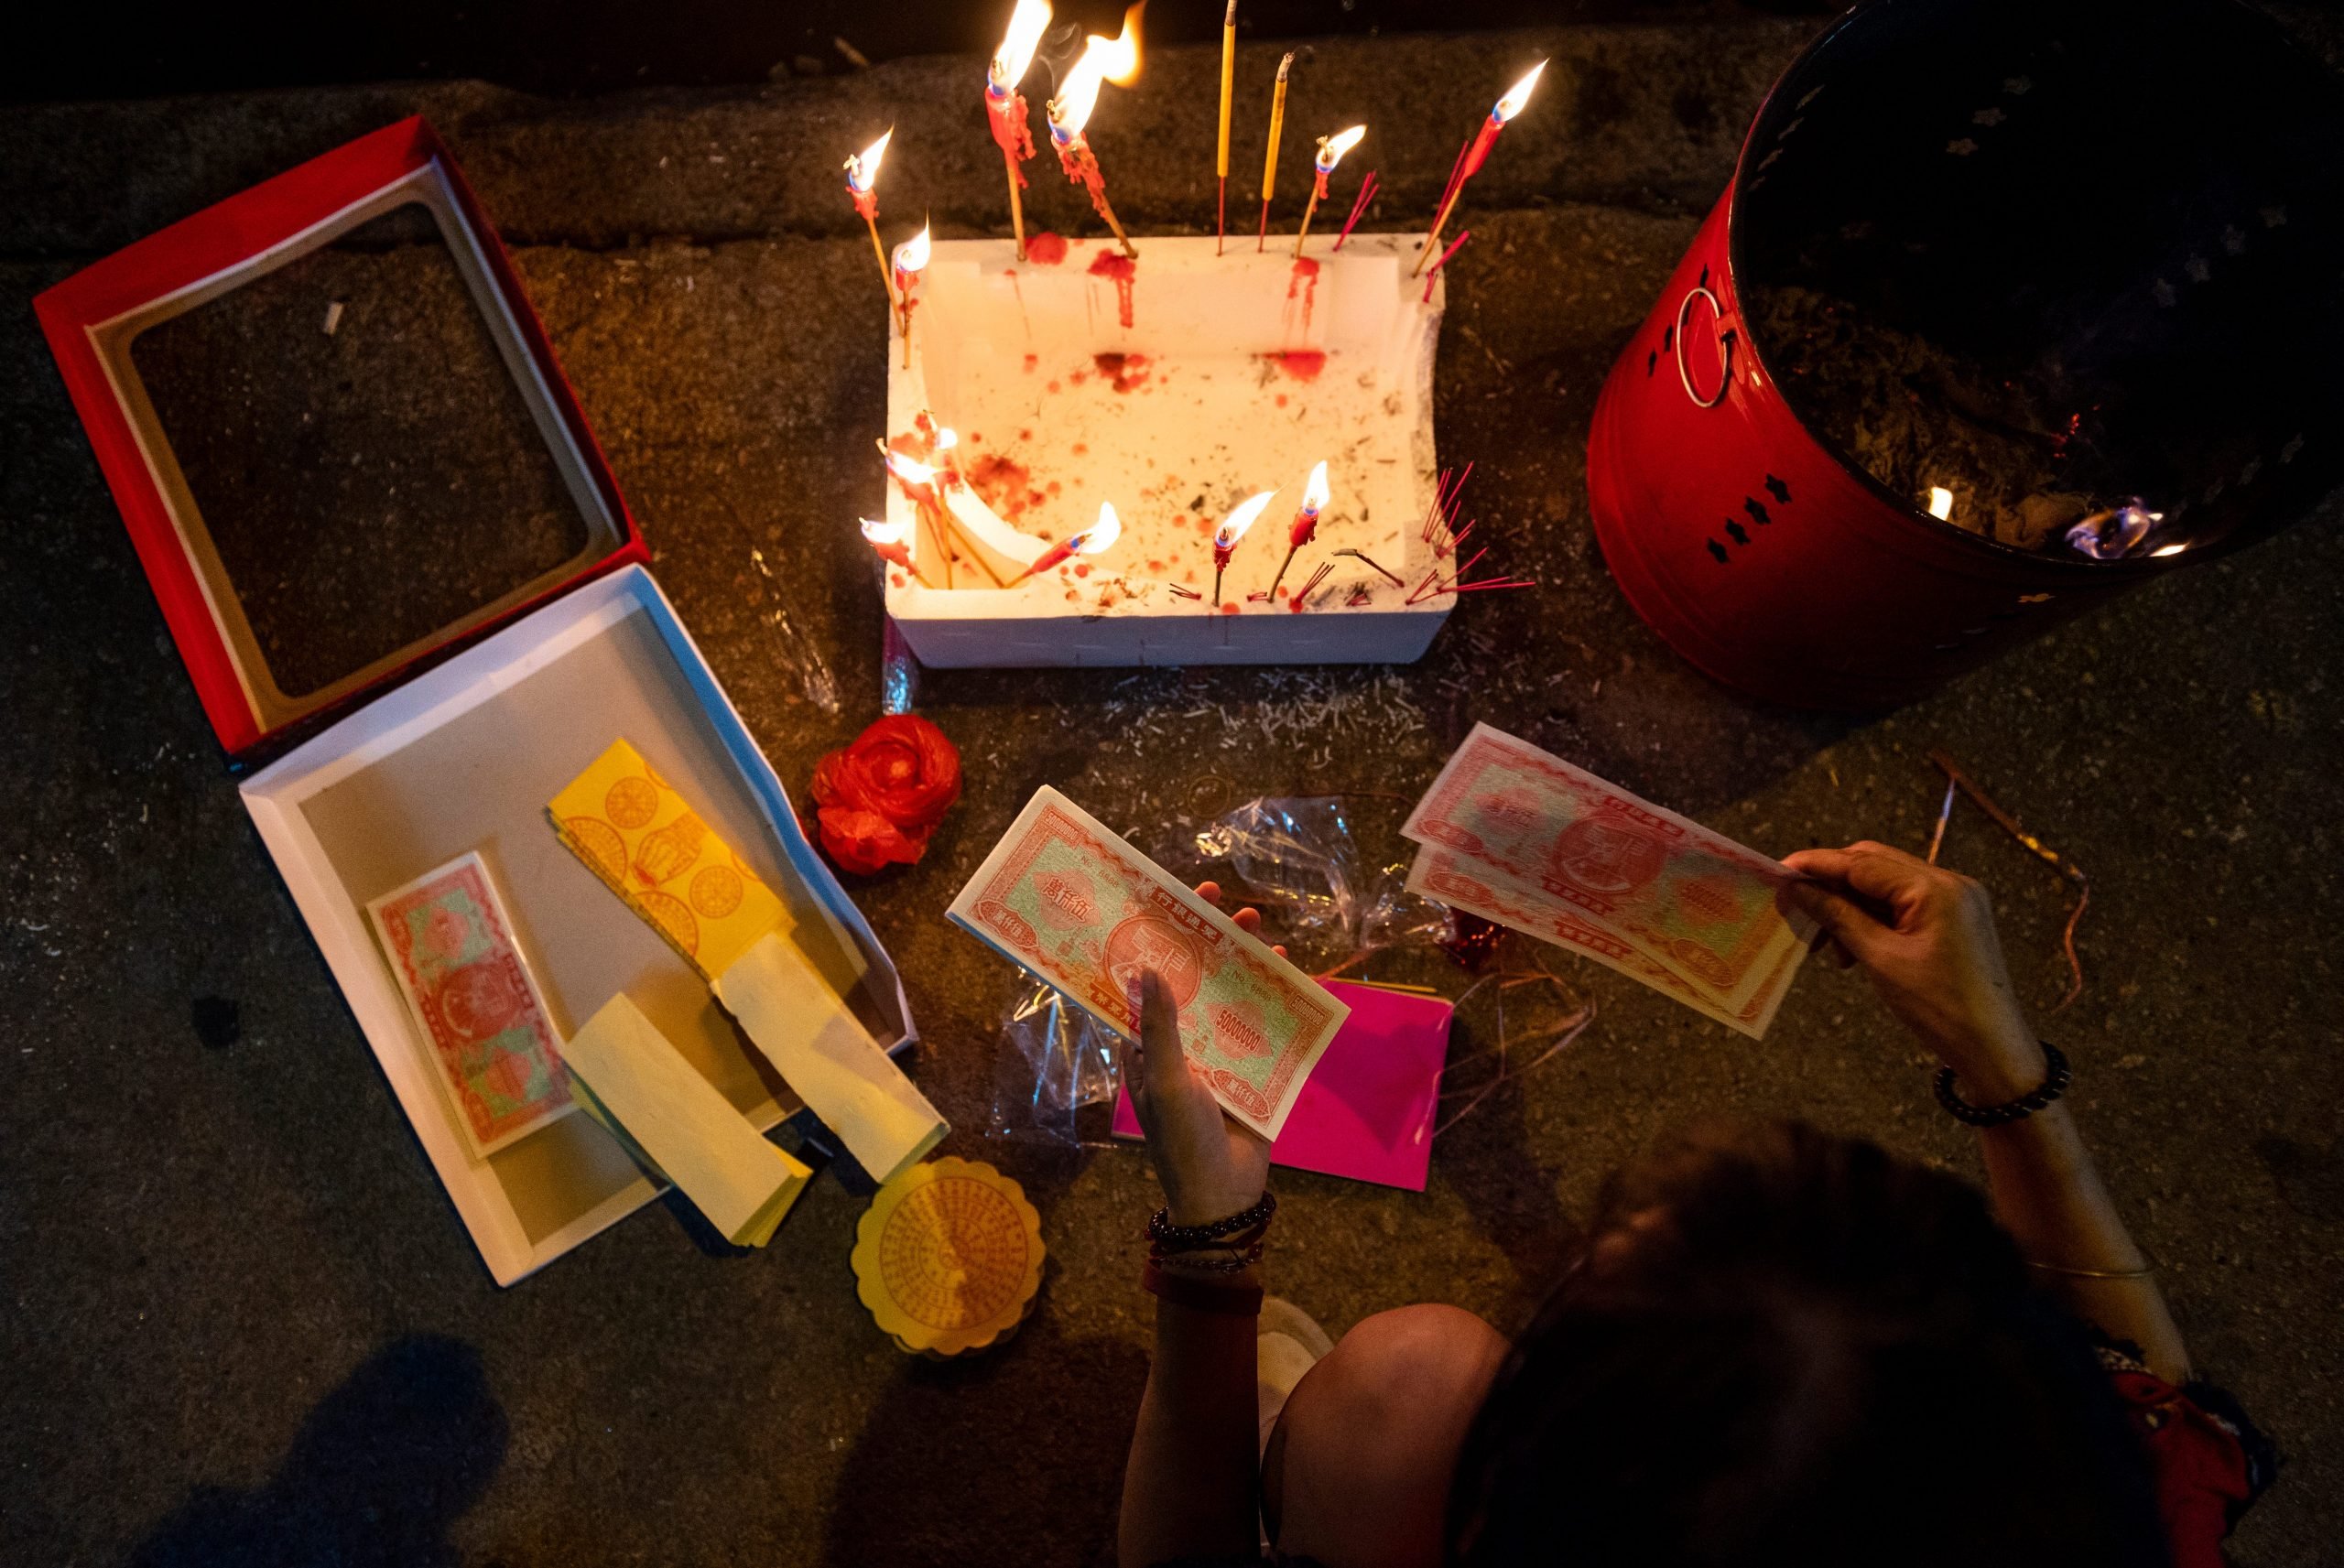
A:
{"x": 465, "y": 757}
{"x": 1237, "y": 373}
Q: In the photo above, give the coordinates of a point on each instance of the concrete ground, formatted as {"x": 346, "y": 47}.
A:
{"x": 243, "y": 1322}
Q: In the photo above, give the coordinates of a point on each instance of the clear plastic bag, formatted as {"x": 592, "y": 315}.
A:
{"x": 1295, "y": 857}
{"x": 1053, "y": 1060}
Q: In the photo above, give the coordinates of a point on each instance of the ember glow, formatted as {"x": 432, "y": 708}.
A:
{"x": 1026, "y": 25}
{"x": 863, "y": 169}
{"x": 885, "y": 533}
{"x": 1113, "y": 60}
{"x": 1333, "y": 148}
{"x": 2106, "y": 535}
{"x": 1232, "y": 527}
{"x": 1517, "y": 95}
{"x": 1940, "y": 502}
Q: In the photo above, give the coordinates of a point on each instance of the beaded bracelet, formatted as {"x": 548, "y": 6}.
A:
{"x": 1170, "y": 1237}
{"x": 1235, "y": 1258}
{"x": 2053, "y": 1085}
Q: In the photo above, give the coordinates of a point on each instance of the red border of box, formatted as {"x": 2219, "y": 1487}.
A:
{"x": 210, "y": 242}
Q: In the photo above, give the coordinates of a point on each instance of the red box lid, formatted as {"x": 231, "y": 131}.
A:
{"x": 222, "y": 586}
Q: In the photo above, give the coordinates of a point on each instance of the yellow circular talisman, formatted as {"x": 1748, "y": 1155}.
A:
{"x": 948, "y": 1257}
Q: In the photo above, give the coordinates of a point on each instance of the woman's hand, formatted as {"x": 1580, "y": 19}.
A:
{"x": 1212, "y": 1166}
{"x": 1925, "y": 935}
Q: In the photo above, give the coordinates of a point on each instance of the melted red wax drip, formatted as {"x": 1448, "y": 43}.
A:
{"x": 1045, "y": 249}
{"x": 1127, "y": 371}
{"x": 1124, "y": 270}
{"x": 1305, "y": 278}
{"x": 1004, "y": 484}
{"x": 1303, "y": 364}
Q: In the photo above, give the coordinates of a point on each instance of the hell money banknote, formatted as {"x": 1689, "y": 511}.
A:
{"x": 1069, "y": 900}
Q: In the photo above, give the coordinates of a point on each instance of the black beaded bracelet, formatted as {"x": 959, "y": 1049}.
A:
{"x": 2055, "y": 1084}
{"x": 1173, "y": 1237}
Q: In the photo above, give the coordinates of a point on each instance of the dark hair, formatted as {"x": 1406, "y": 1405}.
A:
{"x": 1784, "y": 1347}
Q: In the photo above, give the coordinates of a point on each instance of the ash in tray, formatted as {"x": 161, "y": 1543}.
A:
{"x": 1173, "y": 443}
{"x": 2005, "y": 458}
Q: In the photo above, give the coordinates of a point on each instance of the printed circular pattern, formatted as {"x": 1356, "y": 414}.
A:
{"x": 631, "y": 803}
{"x": 716, "y": 892}
{"x": 673, "y": 916}
{"x": 481, "y": 1000}
{"x": 1147, "y": 942}
{"x": 600, "y": 842}
{"x": 1606, "y": 859}
{"x": 948, "y": 1257}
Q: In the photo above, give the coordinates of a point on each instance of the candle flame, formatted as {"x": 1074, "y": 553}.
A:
{"x": 912, "y": 254}
{"x": 884, "y": 533}
{"x": 1315, "y": 494}
{"x": 1099, "y": 535}
{"x": 1112, "y": 60}
{"x": 863, "y": 169}
{"x": 1232, "y": 527}
{"x": 1333, "y": 148}
{"x": 910, "y": 469}
{"x": 1026, "y": 25}
{"x": 2168, "y": 549}
{"x": 946, "y": 437}
{"x": 1517, "y": 95}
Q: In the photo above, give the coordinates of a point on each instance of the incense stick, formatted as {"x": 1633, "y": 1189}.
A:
{"x": 1270, "y": 161}
{"x": 1228, "y": 88}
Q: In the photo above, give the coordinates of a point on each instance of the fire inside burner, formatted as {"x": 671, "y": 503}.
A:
{"x": 2074, "y": 288}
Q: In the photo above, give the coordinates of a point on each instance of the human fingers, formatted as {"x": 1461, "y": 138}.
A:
{"x": 1163, "y": 1066}
{"x": 1248, "y": 919}
{"x": 1211, "y": 892}
{"x": 1854, "y": 929}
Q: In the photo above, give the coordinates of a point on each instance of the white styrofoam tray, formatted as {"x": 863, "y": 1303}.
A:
{"x": 465, "y": 757}
{"x": 1236, "y": 374}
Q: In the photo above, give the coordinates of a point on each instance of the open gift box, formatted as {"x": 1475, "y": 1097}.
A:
{"x": 409, "y": 593}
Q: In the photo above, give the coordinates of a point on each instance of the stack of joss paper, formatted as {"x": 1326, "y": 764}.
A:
{"x": 629, "y": 826}
{"x": 1075, "y": 905}
{"x": 1522, "y": 837}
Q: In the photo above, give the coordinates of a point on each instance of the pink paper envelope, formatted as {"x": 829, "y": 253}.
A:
{"x": 1367, "y": 1111}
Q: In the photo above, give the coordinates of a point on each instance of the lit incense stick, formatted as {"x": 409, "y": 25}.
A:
{"x": 1089, "y": 542}
{"x": 1006, "y": 106}
{"x": 1270, "y": 162}
{"x": 1306, "y": 523}
{"x": 1330, "y": 153}
{"x": 862, "y": 188}
{"x": 1109, "y": 60}
{"x": 1232, "y": 528}
{"x": 1475, "y": 156}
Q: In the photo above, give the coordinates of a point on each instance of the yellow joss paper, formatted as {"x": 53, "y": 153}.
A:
{"x": 631, "y": 829}
{"x": 948, "y": 1257}
{"x": 677, "y": 1119}
{"x": 828, "y": 1058}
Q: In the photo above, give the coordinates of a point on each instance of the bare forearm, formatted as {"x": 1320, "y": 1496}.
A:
{"x": 1190, "y": 1485}
{"x": 2049, "y": 1194}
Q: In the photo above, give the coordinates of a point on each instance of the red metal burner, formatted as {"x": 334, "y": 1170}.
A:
{"x": 1966, "y": 174}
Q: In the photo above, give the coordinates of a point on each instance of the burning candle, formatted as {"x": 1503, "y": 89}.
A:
{"x": 1306, "y": 522}
{"x": 1228, "y": 86}
{"x": 911, "y": 260}
{"x": 1089, "y": 542}
{"x": 1330, "y": 153}
{"x": 862, "y": 188}
{"x": 1006, "y": 106}
{"x": 887, "y": 542}
{"x": 1232, "y": 528}
{"x": 1103, "y": 59}
{"x": 1270, "y": 160}
{"x": 918, "y": 480}
{"x": 1478, "y": 153}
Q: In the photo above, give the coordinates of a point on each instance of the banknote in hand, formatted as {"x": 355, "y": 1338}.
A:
{"x": 1074, "y": 903}
{"x": 1562, "y": 841}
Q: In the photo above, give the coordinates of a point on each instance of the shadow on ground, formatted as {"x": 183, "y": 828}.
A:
{"x": 379, "y": 1473}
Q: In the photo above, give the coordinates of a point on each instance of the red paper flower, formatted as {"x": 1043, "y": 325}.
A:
{"x": 880, "y": 798}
